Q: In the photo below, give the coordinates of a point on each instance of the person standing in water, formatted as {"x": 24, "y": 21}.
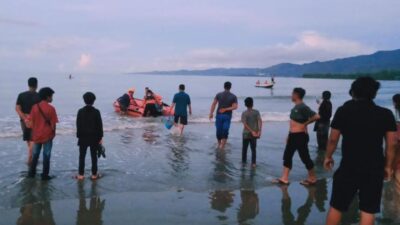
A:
{"x": 43, "y": 119}
{"x": 89, "y": 131}
{"x": 181, "y": 102}
{"x": 227, "y": 103}
{"x": 24, "y": 104}
{"x": 300, "y": 117}
{"x": 252, "y": 123}
{"x": 396, "y": 165}
{"x": 322, "y": 125}
{"x": 363, "y": 167}
{"x": 150, "y": 108}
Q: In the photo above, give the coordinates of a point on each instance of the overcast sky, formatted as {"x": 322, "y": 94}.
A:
{"x": 81, "y": 36}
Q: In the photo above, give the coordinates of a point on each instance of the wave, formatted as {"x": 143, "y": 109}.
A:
{"x": 10, "y": 126}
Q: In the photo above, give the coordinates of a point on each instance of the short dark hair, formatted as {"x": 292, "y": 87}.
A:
{"x": 365, "y": 88}
{"x": 396, "y": 101}
{"x": 326, "y": 95}
{"x": 227, "y": 85}
{"x": 248, "y": 102}
{"x": 33, "y": 82}
{"x": 300, "y": 92}
{"x": 89, "y": 98}
{"x": 182, "y": 87}
{"x": 45, "y": 92}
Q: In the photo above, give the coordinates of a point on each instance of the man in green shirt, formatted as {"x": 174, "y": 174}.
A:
{"x": 300, "y": 117}
{"x": 252, "y": 123}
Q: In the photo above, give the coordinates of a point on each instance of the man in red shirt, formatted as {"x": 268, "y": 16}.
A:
{"x": 43, "y": 119}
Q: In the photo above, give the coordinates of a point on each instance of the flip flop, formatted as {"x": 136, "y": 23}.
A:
{"x": 280, "y": 182}
{"x": 308, "y": 183}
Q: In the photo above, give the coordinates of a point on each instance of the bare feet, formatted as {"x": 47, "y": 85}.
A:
{"x": 95, "y": 177}
{"x": 79, "y": 177}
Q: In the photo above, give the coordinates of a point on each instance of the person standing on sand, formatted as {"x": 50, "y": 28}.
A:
{"x": 23, "y": 107}
{"x": 43, "y": 119}
{"x": 363, "y": 167}
{"x": 396, "y": 165}
{"x": 252, "y": 123}
{"x": 300, "y": 117}
{"x": 181, "y": 102}
{"x": 322, "y": 125}
{"x": 89, "y": 131}
{"x": 227, "y": 102}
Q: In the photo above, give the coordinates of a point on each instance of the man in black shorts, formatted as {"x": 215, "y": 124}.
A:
{"x": 181, "y": 103}
{"x": 25, "y": 101}
{"x": 363, "y": 168}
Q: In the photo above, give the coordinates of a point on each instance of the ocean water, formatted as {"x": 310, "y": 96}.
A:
{"x": 152, "y": 176}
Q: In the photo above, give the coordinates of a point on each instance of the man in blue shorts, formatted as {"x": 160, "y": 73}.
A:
{"x": 181, "y": 102}
{"x": 227, "y": 102}
{"x": 363, "y": 167}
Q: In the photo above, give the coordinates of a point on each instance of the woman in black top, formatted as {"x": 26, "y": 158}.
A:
{"x": 90, "y": 134}
{"x": 322, "y": 125}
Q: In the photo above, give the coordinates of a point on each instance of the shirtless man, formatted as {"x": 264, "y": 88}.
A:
{"x": 300, "y": 117}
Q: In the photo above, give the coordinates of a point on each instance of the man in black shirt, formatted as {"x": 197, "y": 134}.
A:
{"x": 89, "y": 130}
{"x": 322, "y": 125}
{"x": 24, "y": 104}
{"x": 363, "y": 167}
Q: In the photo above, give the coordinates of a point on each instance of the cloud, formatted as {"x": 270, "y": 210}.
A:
{"x": 308, "y": 46}
{"x": 8, "y": 21}
{"x": 74, "y": 44}
{"x": 84, "y": 60}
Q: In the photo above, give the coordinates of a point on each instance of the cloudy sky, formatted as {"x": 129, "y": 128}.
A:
{"x": 93, "y": 36}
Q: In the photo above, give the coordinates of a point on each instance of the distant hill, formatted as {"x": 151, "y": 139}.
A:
{"x": 379, "y": 61}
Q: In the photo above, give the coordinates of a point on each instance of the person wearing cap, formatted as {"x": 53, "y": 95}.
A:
{"x": 43, "y": 119}
{"x": 126, "y": 99}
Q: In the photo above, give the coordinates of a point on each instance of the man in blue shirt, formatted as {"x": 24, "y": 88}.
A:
{"x": 181, "y": 103}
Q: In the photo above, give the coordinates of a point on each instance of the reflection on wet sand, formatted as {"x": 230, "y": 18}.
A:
{"x": 93, "y": 214}
{"x": 391, "y": 202}
{"x": 36, "y": 207}
{"x": 316, "y": 195}
{"x": 178, "y": 157}
{"x": 249, "y": 208}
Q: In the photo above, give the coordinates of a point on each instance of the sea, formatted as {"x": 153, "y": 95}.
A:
{"x": 151, "y": 175}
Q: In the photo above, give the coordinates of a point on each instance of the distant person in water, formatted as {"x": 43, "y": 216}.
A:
{"x": 126, "y": 100}
{"x": 363, "y": 167}
{"x": 150, "y": 108}
{"x": 252, "y": 123}
{"x": 322, "y": 125}
{"x": 89, "y": 131}
{"x": 300, "y": 117}
{"x": 227, "y": 103}
{"x": 24, "y": 104}
{"x": 396, "y": 166}
{"x": 181, "y": 103}
{"x": 43, "y": 119}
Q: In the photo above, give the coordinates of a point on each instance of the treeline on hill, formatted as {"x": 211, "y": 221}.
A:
{"x": 382, "y": 75}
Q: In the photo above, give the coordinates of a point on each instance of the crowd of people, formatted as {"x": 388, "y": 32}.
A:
{"x": 369, "y": 133}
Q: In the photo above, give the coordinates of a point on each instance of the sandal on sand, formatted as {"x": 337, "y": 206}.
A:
{"x": 280, "y": 182}
{"x": 308, "y": 183}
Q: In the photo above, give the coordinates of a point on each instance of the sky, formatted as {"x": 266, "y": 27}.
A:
{"x": 121, "y": 36}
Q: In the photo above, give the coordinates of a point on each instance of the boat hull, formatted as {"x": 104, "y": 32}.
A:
{"x": 137, "y": 110}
